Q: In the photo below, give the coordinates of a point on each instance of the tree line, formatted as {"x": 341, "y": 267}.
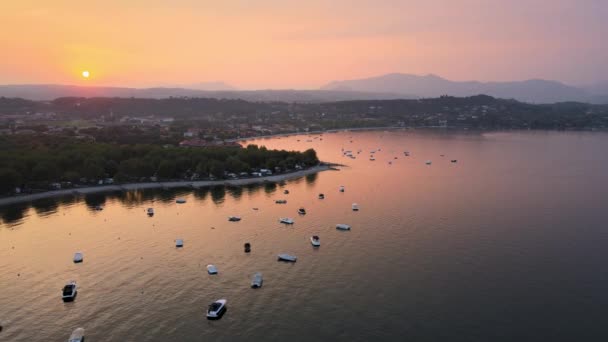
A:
{"x": 34, "y": 162}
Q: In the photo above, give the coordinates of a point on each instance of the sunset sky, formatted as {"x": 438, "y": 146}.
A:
{"x": 299, "y": 44}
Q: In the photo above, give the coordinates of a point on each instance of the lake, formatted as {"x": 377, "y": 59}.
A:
{"x": 509, "y": 243}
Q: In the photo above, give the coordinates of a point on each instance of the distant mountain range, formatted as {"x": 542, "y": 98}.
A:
{"x": 47, "y": 92}
{"x": 386, "y": 87}
{"x": 534, "y": 91}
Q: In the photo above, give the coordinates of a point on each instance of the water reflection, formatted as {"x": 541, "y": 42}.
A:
{"x": 269, "y": 188}
{"x": 13, "y": 215}
{"x": 217, "y": 194}
{"x": 94, "y": 200}
{"x": 46, "y": 207}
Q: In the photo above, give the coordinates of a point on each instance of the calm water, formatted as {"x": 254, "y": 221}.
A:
{"x": 508, "y": 244}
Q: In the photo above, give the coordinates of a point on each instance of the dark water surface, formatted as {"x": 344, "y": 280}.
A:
{"x": 508, "y": 244}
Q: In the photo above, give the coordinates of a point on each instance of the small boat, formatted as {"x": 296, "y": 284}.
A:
{"x": 286, "y": 220}
{"x": 282, "y": 201}
{"x": 341, "y": 188}
{"x": 78, "y": 257}
{"x": 256, "y": 282}
{"x": 211, "y": 269}
{"x": 179, "y": 243}
{"x": 77, "y": 335}
{"x": 372, "y": 158}
{"x": 286, "y": 192}
{"x": 407, "y": 154}
{"x": 287, "y": 257}
{"x": 355, "y": 207}
{"x": 302, "y": 211}
{"x": 315, "y": 241}
{"x": 150, "y": 211}
{"x": 428, "y": 162}
{"x": 69, "y": 291}
{"x": 98, "y": 208}
{"x": 454, "y": 160}
{"x": 342, "y": 226}
{"x": 321, "y": 196}
{"x": 180, "y": 200}
{"x": 216, "y": 309}
{"x": 234, "y": 218}
{"x": 247, "y": 247}
{"x": 390, "y": 163}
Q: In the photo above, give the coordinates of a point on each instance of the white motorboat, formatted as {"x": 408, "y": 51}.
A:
{"x": 256, "y": 282}
{"x": 287, "y": 257}
{"x": 179, "y": 243}
{"x": 180, "y": 200}
{"x": 282, "y": 201}
{"x": 302, "y": 211}
{"x": 69, "y": 291}
{"x": 211, "y": 269}
{"x": 341, "y": 188}
{"x": 321, "y": 196}
{"x": 342, "y": 226}
{"x": 371, "y": 158}
{"x": 216, "y": 309}
{"x": 98, "y": 208}
{"x": 78, "y": 257}
{"x": 234, "y": 218}
{"x": 428, "y": 162}
{"x": 355, "y": 207}
{"x": 286, "y": 220}
{"x": 77, "y": 335}
{"x": 315, "y": 241}
{"x": 150, "y": 211}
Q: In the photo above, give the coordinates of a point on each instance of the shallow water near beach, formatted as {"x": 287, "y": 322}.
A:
{"x": 506, "y": 244}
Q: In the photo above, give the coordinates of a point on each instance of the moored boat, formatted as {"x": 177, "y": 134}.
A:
{"x": 281, "y": 201}
{"x": 77, "y": 335}
{"x": 180, "y": 200}
{"x": 78, "y": 257}
{"x": 355, "y": 207}
{"x": 341, "y": 188}
{"x": 150, "y": 211}
{"x": 315, "y": 241}
{"x": 321, "y": 196}
{"x": 302, "y": 211}
{"x": 286, "y": 220}
{"x": 179, "y": 243}
{"x": 234, "y": 218}
{"x": 287, "y": 257}
{"x": 69, "y": 292}
{"x": 217, "y": 309}
{"x": 342, "y": 226}
{"x": 247, "y": 247}
{"x": 211, "y": 269}
{"x": 257, "y": 280}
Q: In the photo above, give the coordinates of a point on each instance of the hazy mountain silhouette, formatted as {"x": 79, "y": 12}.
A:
{"x": 47, "y": 92}
{"x": 538, "y": 91}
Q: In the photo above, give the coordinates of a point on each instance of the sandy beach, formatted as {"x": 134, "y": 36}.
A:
{"x": 161, "y": 185}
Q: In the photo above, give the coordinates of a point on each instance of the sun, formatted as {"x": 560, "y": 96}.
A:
{"x": 86, "y": 74}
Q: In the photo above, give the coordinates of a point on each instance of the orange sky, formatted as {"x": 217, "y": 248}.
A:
{"x": 299, "y": 44}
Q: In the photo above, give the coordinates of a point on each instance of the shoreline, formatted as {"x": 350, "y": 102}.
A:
{"x": 240, "y": 140}
{"x": 163, "y": 185}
